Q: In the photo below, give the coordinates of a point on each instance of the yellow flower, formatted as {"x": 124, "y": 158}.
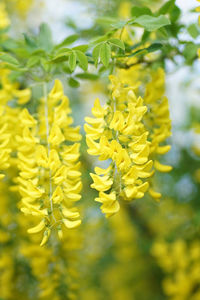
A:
{"x": 110, "y": 205}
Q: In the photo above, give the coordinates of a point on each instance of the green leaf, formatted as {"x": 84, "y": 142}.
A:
{"x": 162, "y": 33}
{"x": 166, "y": 8}
{"x": 9, "y": 44}
{"x": 63, "y": 51}
{"x": 87, "y": 76}
{"x": 96, "y": 53}
{"x": 190, "y": 51}
{"x": 99, "y": 40}
{"x": 32, "y": 61}
{"x": 119, "y": 24}
{"x": 82, "y": 48}
{"x": 83, "y": 62}
{"x": 45, "y": 37}
{"x": 73, "y": 83}
{"x": 105, "y": 54}
{"x": 72, "y": 61}
{"x": 154, "y": 47}
{"x": 62, "y": 55}
{"x": 8, "y": 59}
{"x": 137, "y": 11}
{"x": 40, "y": 52}
{"x": 105, "y": 20}
{"x": 175, "y": 14}
{"x": 68, "y": 41}
{"x": 145, "y": 36}
{"x": 151, "y": 23}
{"x": 30, "y": 41}
{"x": 117, "y": 42}
{"x": 138, "y": 52}
{"x": 193, "y": 31}
{"x": 59, "y": 59}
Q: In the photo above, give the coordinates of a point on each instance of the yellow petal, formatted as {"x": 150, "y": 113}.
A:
{"x": 71, "y": 224}
{"x": 162, "y": 168}
{"x": 37, "y": 228}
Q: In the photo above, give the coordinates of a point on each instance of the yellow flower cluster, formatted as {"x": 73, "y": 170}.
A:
{"x": 8, "y": 92}
{"x": 127, "y": 258}
{"x": 117, "y": 133}
{"x": 20, "y": 7}
{"x": 157, "y": 119}
{"x": 181, "y": 262}
{"x": 4, "y": 142}
{"x": 4, "y": 20}
{"x": 59, "y": 275}
{"x": 49, "y": 178}
{"x": 6, "y": 259}
{"x": 159, "y": 123}
{"x": 129, "y": 132}
{"x": 198, "y": 10}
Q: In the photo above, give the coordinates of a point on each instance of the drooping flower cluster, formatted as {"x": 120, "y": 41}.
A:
{"x": 159, "y": 123}
{"x": 129, "y": 132}
{"x": 9, "y": 92}
{"x": 49, "y": 178}
{"x": 4, "y": 19}
{"x": 157, "y": 119}
{"x": 58, "y": 278}
{"x": 198, "y": 10}
{"x": 4, "y": 142}
{"x": 178, "y": 260}
{"x": 117, "y": 133}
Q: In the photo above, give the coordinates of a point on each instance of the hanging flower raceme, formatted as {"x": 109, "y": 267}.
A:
{"x": 11, "y": 90}
{"x": 158, "y": 121}
{"x": 198, "y": 10}
{"x": 49, "y": 178}
{"x": 117, "y": 134}
{"x": 177, "y": 260}
{"x": 4, "y": 142}
{"x": 4, "y": 20}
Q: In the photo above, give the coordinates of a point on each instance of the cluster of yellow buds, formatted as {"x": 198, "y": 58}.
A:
{"x": 178, "y": 260}
{"x": 127, "y": 132}
{"x": 49, "y": 178}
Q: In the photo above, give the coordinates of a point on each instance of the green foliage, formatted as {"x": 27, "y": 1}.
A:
{"x": 68, "y": 41}
{"x": 151, "y": 23}
{"x": 9, "y": 59}
{"x": 138, "y": 11}
{"x": 105, "y": 54}
{"x": 38, "y": 52}
{"x": 117, "y": 43}
{"x": 45, "y": 38}
{"x": 193, "y": 30}
{"x": 82, "y": 58}
{"x": 190, "y": 52}
{"x": 72, "y": 60}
